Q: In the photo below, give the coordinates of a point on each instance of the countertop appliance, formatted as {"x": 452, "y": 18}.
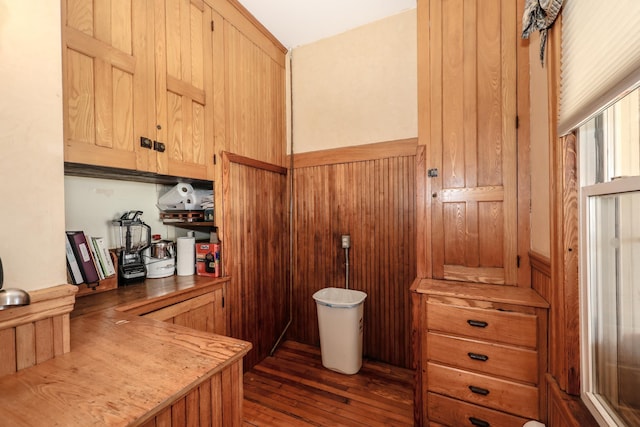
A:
{"x": 160, "y": 259}
{"x": 135, "y": 237}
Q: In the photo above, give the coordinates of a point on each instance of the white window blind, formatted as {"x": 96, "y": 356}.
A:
{"x": 600, "y": 57}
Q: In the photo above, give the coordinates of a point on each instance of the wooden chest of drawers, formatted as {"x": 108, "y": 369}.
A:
{"x": 481, "y": 354}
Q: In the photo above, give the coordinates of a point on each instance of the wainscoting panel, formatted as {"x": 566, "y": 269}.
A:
{"x": 37, "y": 332}
{"x": 256, "y": 254}
{"x": 373, "y": 201}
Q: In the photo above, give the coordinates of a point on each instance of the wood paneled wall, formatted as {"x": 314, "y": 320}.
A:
{"x": 566, "y": 410}
{"x": 369, "y": 194}
{"x": 540, "y": 274}
{"x": 215, "y": 402}
{"x": 255, "y": 252}
{"x": 37, "y": 332}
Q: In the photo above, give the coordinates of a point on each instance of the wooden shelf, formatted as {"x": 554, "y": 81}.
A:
{"x": 187, "y": 224}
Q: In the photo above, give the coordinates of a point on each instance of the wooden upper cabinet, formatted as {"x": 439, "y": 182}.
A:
{"x": 105, "y": 60}
{"x": 471, "y": 140}
{"x": 184, "y": 85}
{"x": 139, "y": 68}
{"x": 255, "y": 96}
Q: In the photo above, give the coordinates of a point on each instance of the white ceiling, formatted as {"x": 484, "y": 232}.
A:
{"x": 300, "y": 22}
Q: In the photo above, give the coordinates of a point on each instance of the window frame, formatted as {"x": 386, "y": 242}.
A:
{"x": 592, "y": 400}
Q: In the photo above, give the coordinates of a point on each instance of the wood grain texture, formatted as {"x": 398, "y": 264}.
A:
{"x": 524, "y": 157}
{"x": 238, "y": 16}
{"x": 35, "y": 333}
{"x": 256, "y": 253}
{"x": 183, "y": 55}
{"x": 503, "y": 395}
{"x": 85, "y": 387}
{"x": 480, "y": 292}
{"x": 203, "y": 313}
{"x": 254, "y": 85}
{"x": 513, "y": 339}
{"x": 375, "y": 203}
{"x": 292, "y": 388}
{"x": 566, "y": 410}
{"x": 150, "y": 295}
{"x": 100, "y": 90}
{"x": 470, "y": 100}
{"x": 378, "y": 150}
{"x": 452, "y": 412}
{"x": 541, "y": 275}
{"x": 564, "y": 298}
{"x": 505, "y": 361}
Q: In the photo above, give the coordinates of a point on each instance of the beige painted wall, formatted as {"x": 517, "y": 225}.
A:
{"x": 540, "y": 225}
{"x": 31, "y": 157}
{"x": 358, "y": 87}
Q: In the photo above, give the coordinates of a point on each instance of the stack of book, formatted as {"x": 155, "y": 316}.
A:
{"x": 88, "y": 259}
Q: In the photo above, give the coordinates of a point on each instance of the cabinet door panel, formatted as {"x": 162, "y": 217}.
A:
{"x": 105, "y": 64}
{"x": 254, "y": 85}
{"x": 204, "y": 313}
{"x": 184, "y": 81}
{"x": 472, "y": 142}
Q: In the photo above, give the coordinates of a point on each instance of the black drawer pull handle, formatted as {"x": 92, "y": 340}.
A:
{"x": 478, "y": 390}
{"x": 480, "y": 357}
{"x": 478, "y": 422}
{"x": 477, "y": 323}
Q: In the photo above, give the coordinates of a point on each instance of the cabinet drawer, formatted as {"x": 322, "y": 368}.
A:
{"x": 501, "y": 326}
{"x": 454, "y": 413}
{"x": 503, "y": 395}
{"x": 495, "y": 359}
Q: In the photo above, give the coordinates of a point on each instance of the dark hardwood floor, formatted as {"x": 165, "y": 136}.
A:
{"x": 292, "y": 388}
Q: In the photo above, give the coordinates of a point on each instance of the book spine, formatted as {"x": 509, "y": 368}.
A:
{"x": 72, "y": 265}
{"x": 81, "y": 250}
{"x": 105, "y": 257}
{"x": 96, "y": 259}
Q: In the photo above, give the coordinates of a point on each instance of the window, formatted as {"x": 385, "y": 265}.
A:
{"x": 609, "y": 148}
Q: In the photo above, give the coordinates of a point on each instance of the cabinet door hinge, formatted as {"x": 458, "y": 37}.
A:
{"x": 213, "y": 26}
{"x": 518, "y": 261}
{"x": 517, "y": 122}
{"x": 222, "y": 302}
{"x": 215, "y": 161}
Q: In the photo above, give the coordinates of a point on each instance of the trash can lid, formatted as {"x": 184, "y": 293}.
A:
{"x": 339, "y": 297}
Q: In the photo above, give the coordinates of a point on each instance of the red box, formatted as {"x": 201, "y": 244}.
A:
{"x": 208, "y": 259}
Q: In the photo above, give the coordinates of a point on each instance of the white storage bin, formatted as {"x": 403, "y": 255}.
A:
{"x": 340, "y": 322}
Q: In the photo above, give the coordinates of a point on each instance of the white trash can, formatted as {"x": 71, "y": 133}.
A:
{"x": 340, "y": 323}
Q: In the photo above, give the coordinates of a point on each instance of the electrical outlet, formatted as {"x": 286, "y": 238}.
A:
{"x": 346, "y": 241}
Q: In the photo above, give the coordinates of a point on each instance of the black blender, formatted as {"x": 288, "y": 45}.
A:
{"x": 135, "y": 237}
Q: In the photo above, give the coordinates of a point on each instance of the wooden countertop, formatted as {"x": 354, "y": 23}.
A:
{"x": 480, "y": 291}
{"x": 122, "y": 368}
{"x": 150, "y": 293}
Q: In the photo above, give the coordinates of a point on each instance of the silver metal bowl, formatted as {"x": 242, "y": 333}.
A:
{"x": 13, "y": 298}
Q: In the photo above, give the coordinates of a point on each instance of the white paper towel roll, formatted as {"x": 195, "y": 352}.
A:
{"x": 186, "y": 252}
{"x": 181, "y": 196}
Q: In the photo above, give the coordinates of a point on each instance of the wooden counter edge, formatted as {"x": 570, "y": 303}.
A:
{"x": 143, "y": 306}
{"x": 480, "y": 291}
{"x": 45, "y": 303}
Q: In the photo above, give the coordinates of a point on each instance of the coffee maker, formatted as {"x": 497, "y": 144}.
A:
{"x": 134, "y": 237}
